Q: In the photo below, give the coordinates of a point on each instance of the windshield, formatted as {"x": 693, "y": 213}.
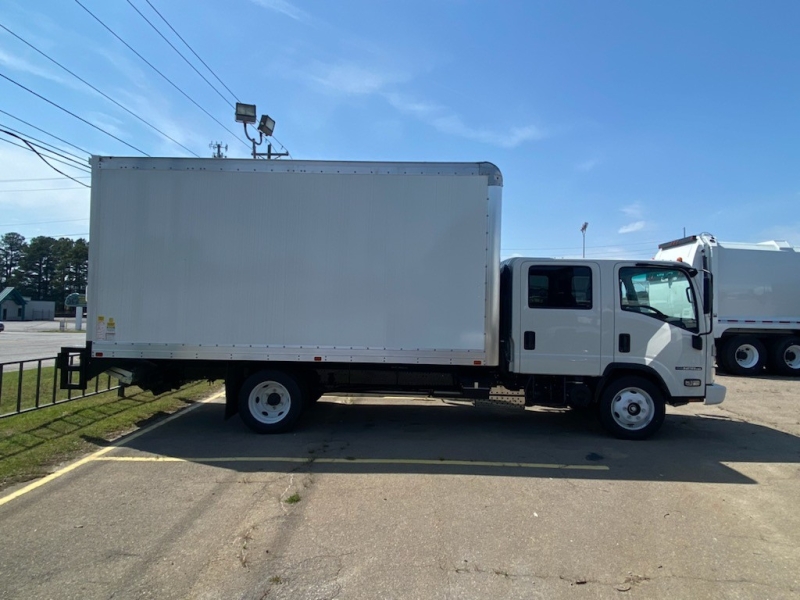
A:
{"x": 661, "y": 293}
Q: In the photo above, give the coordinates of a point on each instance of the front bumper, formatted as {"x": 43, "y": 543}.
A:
{"x": 715, "y": 394}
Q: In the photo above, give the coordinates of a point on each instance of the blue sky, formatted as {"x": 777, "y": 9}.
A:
{"x": 641, "y": 118}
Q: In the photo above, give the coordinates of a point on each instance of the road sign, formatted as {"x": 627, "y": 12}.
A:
{"x": 75, "y": 300}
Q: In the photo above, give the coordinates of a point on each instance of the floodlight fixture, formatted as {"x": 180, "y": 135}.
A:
{"x": 266, "y": 125}
{"x": 245, "y": 113}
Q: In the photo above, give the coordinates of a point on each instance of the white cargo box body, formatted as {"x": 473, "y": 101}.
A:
{"x": 755, "y": 285}
{"x": 230, "y": 259}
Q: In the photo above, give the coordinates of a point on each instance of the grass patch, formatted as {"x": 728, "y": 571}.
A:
{"x": 32, "y": 443}
{"x": 293, "y": 499}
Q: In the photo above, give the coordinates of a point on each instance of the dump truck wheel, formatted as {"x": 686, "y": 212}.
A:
{"x": 784, "y": 358}
{"x": 270, "y": 402}
{"x": 744, "y": 355}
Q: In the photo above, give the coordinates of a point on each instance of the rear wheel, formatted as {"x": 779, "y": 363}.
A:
{"x": 744, "y": 355}
{"x": 632, "y": 408}
{"x": 784, "y": 358}
{"x": 270, "y": 402}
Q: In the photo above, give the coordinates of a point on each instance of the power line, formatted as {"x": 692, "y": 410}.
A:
{"x": 79, "y": 163}
{"x": 198, "y": 58}
{"x": 27, "y": 143}
{"x": 63, "y": 162}
{"x": 73, "y": 114}
{"x": 179, "y": 53}
{"x": 103, "y": 94}
{"x": 167, "y": 79}
{"x": 30, "y": 137}
{"x": 35, "y": 179}
{"x": 45, "y": 132}
{"x": 41, "y": 222}
{"x": 58, "y": 189}
{"x": 235, "y": 97}
{"x": 536, "y": 249}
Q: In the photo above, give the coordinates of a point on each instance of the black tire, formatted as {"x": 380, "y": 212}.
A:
{"x": 311, "y": 390}
{"x": 271, "y": 402}
{"x": 632, "y": 408}
{"x": 784, "y": 356}
{"x": 720, "y": 355}
{"x": 743, "y": 355}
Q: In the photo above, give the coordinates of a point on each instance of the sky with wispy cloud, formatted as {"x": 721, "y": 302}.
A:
{"x": 644, "y": 119}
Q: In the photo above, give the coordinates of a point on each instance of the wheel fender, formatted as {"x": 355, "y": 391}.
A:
{"x": 616, "y": 370}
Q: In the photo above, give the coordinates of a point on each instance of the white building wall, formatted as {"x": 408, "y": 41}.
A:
{"x": 40, "y": 310}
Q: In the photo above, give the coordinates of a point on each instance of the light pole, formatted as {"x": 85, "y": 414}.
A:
{"x": 583, "y": 232}
{"x": 246, "y": 113}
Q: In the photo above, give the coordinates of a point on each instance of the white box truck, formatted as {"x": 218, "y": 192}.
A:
{"x": 756, "y": 300}
{"x": 294, "y": 279}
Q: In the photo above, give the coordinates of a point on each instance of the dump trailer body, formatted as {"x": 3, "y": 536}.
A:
{"x": 304, "y": 261}
{"x": 755, "y": 300}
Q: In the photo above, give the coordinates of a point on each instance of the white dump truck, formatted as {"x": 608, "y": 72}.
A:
{"x": 756, "y": 300}
{"x": 294, "y": 279}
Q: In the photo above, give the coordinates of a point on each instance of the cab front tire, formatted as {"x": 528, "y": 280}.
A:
{"x": 632, "y": 408}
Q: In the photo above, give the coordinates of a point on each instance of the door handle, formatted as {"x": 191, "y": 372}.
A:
{"x": 624, "y": 342}
{"x": 529, "y": 342}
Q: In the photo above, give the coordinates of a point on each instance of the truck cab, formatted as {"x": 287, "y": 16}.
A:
{"x": 632, "y": 336}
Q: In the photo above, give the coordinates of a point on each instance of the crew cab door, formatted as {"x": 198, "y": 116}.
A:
{"x": 656, "y": 324}
{"x": 558, "y": 329}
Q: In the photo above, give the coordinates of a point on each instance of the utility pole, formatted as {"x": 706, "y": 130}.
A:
{"x": 218, "y": 147}
{"x": 583, "y": 232}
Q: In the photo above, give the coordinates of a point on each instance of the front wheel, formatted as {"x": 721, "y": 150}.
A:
{"x": 632, "y": 408}
{"x": 270, "y": 402}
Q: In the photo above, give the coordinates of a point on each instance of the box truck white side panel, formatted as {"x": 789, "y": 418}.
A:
{"x": 293, "y": 261}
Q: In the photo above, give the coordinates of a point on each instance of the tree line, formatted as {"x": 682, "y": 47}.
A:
{"x": 44, "y": 268}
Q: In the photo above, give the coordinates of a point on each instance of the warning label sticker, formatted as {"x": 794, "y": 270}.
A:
{"x": 100, "y": 328}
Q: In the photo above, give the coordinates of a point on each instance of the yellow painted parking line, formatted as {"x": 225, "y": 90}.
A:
{"x": 357, "y": 461}
{"x": 100, "y": 453}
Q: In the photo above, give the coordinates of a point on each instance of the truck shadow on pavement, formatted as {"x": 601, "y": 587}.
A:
{"x": 451, "y": 439}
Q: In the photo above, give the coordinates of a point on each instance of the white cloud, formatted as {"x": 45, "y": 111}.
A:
{"x": 353, "y": 79}
{"x": 349, "y": 78}
{"x": 285, "y": 8}
{"x": 587, "y": 165}
{"x": 634, "y": 211}
{"x": 631, "y": 227}
{"x": 443, "y": 119}
{"x": 20, "y": 64}
{"x": 788, "y": 232}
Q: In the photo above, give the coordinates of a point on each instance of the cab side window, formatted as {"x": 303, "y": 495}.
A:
{"x": 551, "y": 286}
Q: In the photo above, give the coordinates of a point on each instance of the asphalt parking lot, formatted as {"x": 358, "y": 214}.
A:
{"x": 420, "y": 499}
{"x": 32, "y": 340}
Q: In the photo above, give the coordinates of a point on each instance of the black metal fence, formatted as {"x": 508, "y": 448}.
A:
{"x": 28, "y": 385}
